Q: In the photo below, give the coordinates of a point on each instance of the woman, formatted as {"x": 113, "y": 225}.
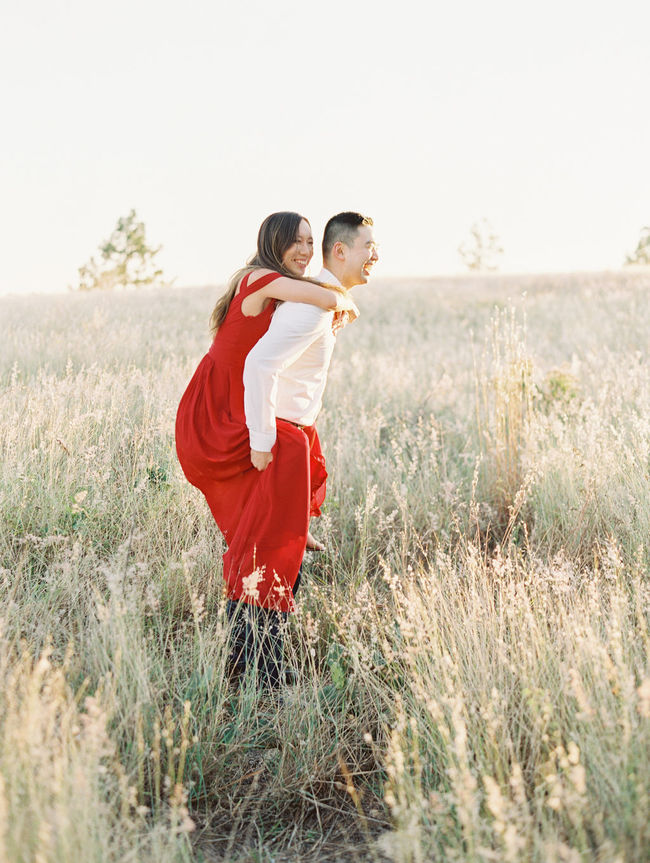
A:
{"x": 262, "y": 510}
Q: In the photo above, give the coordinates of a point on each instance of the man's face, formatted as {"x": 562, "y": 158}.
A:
{"x": 360, "y": 258}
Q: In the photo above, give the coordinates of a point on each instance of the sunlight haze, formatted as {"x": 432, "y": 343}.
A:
{"x": 205, "y": 117}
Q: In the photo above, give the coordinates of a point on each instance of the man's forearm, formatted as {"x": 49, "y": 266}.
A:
{"x": 294, "y": 327}
{"x": 260, "y": 391}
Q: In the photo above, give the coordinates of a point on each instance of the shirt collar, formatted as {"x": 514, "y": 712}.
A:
{"x": 330, "y": 278}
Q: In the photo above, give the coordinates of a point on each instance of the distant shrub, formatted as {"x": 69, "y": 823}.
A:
{"x": 126, "y": 261}
{"x": 641, "y": 255}
{"x": 558, "y": 391}
{"x": 482, "y": 248}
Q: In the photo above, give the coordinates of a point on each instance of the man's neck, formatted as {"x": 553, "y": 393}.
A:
{"x": 335, "y": 271}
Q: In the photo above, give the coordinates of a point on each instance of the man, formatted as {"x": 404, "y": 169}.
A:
{"x": 286, "y": 372}
{"x": 284, "y": 379}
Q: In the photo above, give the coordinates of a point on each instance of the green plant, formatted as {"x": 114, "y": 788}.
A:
{"x": 125, "y": 259}
{"x": 641, "y": 255}
{"x": 482, "y": 248}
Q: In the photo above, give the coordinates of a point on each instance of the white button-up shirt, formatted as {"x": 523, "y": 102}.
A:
{"x": 286, "y": 371}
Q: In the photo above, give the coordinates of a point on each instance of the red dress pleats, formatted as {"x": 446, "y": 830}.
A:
{"x": 264, "y": 516}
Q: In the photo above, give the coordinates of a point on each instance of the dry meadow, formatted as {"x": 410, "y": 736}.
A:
{"x": 472, "y": 647}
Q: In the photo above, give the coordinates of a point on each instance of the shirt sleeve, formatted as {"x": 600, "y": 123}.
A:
{"x": 294, "y": 327}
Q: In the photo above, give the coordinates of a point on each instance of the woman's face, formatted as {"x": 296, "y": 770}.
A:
{"x": 297, "y": 257}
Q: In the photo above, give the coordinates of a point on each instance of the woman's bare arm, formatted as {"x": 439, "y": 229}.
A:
{"x": 297, "y": 291}
{"x": 291, "y": 290}
{"x": 319, "y": 296}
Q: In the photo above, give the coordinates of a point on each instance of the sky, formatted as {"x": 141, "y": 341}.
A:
{"x": 205, "y": 116}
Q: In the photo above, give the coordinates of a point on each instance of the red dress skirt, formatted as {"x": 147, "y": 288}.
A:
{"x": 264, "y": 516}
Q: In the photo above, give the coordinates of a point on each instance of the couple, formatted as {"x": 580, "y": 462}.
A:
{"x": 245, "y": 433}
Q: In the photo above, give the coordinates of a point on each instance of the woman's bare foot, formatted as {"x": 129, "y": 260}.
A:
{"x": 314, "y": 544}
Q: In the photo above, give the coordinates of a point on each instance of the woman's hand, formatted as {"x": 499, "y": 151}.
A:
{"x": 346, "y": 304}
{"x": 345, "y": 313}
{"x": 261, "y": 460}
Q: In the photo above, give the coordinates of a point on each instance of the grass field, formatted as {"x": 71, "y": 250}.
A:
{"x": 472, "y": 647}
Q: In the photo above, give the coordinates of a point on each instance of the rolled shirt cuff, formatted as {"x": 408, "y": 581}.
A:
{"x": 262, "y": 441}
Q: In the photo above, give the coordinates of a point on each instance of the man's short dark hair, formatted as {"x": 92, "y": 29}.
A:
{"x": 342, "y": 228}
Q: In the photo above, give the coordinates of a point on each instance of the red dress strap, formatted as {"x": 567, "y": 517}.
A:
{"x": 245, "y": 288}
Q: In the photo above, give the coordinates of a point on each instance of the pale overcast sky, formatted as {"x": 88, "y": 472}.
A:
{"x": 207, "y": 115}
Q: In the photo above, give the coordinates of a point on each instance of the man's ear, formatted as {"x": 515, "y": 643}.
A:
{"x": 338, "y": 250}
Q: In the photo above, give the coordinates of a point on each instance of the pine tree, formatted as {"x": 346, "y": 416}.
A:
{"x": 125, "y": 260}
{"x": 641, "y": 254}
{"x": 482, "y": 248}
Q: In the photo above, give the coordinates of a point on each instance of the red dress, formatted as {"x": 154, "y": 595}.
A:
{"x": 264, "y": 516}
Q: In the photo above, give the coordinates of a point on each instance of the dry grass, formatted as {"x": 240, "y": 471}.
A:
{"x": 473, "y": 647}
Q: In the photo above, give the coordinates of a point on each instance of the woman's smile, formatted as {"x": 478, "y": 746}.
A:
{"x": 297, "y": 257}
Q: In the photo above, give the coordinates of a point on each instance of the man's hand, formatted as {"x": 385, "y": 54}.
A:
{"x": 261, "y": 460}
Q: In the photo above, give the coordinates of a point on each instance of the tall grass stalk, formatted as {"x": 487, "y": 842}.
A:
{"x": 472, "y": 649}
